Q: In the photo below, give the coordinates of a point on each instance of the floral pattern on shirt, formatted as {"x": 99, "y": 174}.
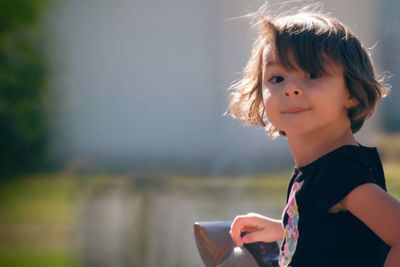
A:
{"x": 291, "y": 232}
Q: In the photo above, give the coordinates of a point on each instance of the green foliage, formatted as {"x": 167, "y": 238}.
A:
{"x": 23, "y": 128}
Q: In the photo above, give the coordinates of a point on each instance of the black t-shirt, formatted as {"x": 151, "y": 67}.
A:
{"x": 316, "y": 237}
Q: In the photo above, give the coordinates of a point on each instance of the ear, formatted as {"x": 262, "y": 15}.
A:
{"x": 351, "y": 102}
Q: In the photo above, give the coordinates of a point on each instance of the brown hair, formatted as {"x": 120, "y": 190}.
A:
{"x": 313, "y": 38}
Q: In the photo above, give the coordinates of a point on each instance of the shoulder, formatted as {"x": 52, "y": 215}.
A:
{"x": 349, "y": 161}
{"x": 337, "y": 173}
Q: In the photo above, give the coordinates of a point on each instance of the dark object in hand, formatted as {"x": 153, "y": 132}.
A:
{"x": 217, "y": 249}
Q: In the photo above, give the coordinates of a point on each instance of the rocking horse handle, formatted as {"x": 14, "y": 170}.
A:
{"x": 217, "y": 249}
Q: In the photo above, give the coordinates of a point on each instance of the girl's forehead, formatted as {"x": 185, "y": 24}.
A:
{"x": 269, "y": 54}
{"x": 270, "y": 57}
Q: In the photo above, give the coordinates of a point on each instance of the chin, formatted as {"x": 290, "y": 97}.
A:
{"x": 295, "y": 131}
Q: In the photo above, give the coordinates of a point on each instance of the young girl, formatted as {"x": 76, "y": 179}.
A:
{"x": 309, "y": 79}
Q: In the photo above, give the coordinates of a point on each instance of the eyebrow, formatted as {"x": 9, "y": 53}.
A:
{"x": 270, "y": 64}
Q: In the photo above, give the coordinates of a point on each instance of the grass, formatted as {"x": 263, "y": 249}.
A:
{"x": 38, "y": 214}
{"x": 36, "y": 221}
{"x": 38, "y": 218}
{"x": 392, "y": 170}
{"x": 42, "y": 258}
{"x": 36, "y": 199}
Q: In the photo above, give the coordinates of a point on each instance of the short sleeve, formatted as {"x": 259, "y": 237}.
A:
{"x": 337, "y": 176}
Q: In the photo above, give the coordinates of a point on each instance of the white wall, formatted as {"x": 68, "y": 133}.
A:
{"x": 143, "y": 83}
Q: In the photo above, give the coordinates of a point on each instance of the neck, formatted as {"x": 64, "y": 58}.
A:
{"x": 307, "y": 148}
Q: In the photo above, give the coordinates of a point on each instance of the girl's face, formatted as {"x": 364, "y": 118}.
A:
{"x": 304, "y": 103}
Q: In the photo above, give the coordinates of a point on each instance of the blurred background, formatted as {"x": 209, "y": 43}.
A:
{"x": 112, "y": 135}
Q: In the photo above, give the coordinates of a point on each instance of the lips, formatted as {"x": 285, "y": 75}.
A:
{"x": 294, "y": 110}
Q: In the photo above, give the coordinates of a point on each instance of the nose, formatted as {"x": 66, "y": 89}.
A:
{"x": 292, "y": 90}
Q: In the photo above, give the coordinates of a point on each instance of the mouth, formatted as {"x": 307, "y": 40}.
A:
{"x": 295, "y": 110}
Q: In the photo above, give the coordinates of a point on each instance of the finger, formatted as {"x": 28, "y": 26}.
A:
{"x": 249, "y": 229}
{"x": 242, "y": 224}
{"x": 253, "y": 237}
{"x": 236, "y": 230}
{"x": 235, "y": 234}
{"x": 236, "y": 240}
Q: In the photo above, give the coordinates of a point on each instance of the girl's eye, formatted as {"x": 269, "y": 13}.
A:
{"x": 312, "y": 75}
{"x": 276, "y": 79}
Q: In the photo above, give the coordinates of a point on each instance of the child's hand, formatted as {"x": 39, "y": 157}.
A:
{"x": 258, "y": 228}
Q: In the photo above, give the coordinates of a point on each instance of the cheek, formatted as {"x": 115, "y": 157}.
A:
{"x": 266, "y": 100}
{"x": 265, "y": 93}
{"x": 270, "y": 108}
